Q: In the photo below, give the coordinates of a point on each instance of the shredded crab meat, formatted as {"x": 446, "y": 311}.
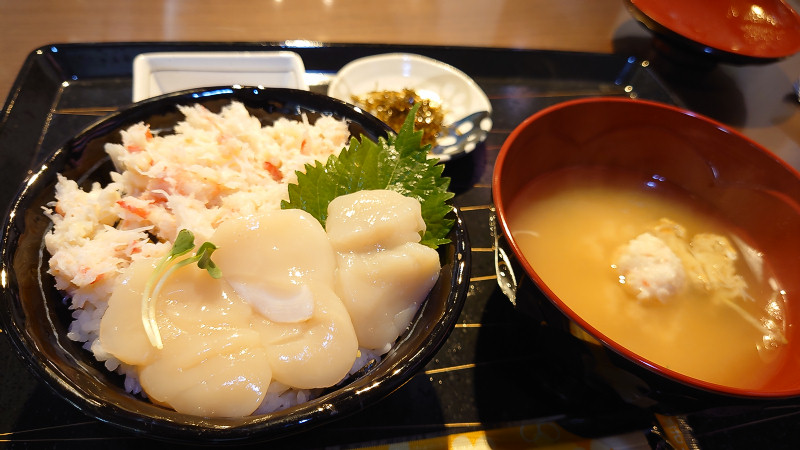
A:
{"x": 661, "y": 263}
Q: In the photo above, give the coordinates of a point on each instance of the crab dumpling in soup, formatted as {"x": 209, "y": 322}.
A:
{"x": 383, "y": 273}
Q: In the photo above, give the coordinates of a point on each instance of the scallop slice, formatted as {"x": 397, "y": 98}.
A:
{"x": 371, "y": 219}
{"x": 271, "y": 259}
{"x": 121, "y": 331}
{"x": 383, "y": 273}
{"x": 383, "y": 290}
{"x": 316, "y": 353}
{"x": 212, "y": 362}
{"x": 224, "y": 373}
{"x": 282, "y": 264}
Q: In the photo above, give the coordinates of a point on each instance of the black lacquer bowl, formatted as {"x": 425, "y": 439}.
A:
{"x": 36, "y": 318}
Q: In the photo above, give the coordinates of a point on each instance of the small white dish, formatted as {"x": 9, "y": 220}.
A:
{"x": 458, "y": 94}
{"x": 161, "y": 73}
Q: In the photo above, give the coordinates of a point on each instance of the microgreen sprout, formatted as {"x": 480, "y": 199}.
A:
{"x": 184, "y": 243}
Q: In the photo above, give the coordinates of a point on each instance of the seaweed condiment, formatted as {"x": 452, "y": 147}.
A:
{"x": 392, "y": 107}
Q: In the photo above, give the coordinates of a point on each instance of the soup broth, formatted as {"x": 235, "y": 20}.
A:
{"x": 571, "y": 227}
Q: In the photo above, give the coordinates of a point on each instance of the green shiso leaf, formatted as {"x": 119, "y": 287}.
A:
{"x": 399, "y": 163}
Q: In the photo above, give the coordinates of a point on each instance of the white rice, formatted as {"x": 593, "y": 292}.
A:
{"x": 215, "y": 167}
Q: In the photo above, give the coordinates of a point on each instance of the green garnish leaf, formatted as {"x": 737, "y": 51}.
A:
{"x": 204, "y": 259}
{"x": 399, "y": 163}
{"x": 184, "y": 243}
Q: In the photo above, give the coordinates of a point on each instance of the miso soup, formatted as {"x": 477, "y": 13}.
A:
{"x": 694, "y": 295}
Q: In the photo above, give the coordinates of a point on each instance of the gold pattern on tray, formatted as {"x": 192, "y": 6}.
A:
{"x": 475, "y": 207}
{"x": 93, "y": 111}
{"x": 483, "y": 278}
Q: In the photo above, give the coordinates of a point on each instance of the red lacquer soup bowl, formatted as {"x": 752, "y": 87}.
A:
{"x": 744, "y": 183}
{"x": 735, "y": 31}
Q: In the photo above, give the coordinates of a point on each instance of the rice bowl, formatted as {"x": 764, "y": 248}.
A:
{"x": 64, "y": 366}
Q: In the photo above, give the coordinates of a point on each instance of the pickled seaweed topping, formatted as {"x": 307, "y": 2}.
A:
{"x": 392, "y": 108}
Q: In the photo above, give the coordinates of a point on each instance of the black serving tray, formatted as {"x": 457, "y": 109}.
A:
{"x": 499, "y": 370}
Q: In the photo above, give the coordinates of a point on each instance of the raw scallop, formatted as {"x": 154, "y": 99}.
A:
{"x": 383, "y": 273}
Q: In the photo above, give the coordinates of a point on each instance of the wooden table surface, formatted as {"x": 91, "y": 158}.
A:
{"x": 564, "y": 25}
{"x": 754, "y": 99}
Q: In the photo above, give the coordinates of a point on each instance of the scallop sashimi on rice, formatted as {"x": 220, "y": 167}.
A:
{"x": 286, "y": 316}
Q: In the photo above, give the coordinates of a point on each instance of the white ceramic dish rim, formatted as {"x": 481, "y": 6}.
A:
{"x": 281, "y": 69}
{"x": 459, "y": 94}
